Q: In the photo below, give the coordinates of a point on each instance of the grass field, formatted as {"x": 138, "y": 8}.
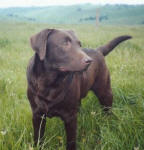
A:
{"x": 122, "y": 130}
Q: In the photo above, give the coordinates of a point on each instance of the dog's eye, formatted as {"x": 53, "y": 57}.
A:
{"x": 66, "y": 41}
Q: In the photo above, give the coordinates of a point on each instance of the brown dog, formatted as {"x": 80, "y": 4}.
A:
{"x": 60, "y": 74}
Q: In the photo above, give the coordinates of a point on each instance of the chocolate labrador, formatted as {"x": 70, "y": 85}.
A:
{"x": 60, "y": 74}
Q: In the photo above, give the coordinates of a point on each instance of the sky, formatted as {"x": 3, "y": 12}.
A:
{"x": 22, "y": 3}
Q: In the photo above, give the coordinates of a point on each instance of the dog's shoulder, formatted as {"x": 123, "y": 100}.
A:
{"x": 94, "y": 54}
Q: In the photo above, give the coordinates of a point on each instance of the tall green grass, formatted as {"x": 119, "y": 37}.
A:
{"x": 122, "y": 130}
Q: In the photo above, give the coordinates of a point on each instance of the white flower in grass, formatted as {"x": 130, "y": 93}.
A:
{"x": 30, "y": 134}
{"x": 3, "y": 132}
{"x": 31, "y": 148}
{"x": 136, "y": 148}
{"x": 93, "y": 113}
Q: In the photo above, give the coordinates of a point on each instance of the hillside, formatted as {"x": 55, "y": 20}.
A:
{"x": 86, "y": 13}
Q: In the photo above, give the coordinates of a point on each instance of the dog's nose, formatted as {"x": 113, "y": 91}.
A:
{"x": 88, "y": 60}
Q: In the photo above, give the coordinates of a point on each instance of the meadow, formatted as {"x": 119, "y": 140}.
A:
{"x": 121, "y": 130}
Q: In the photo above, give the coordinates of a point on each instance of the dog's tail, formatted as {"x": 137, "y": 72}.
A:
{"x": 112, "y": 44}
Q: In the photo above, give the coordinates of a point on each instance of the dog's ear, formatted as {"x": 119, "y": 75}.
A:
{"x": 39, "y": 42}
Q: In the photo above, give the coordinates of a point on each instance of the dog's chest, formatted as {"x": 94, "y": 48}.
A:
{"x": 53, "y": 99}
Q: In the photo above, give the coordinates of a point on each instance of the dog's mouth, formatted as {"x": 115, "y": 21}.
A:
{"x": 85, "y": 68}
{"x": 64, "y": 69}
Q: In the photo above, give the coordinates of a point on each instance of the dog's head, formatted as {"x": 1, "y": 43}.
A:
{"x": 60, "y": 49}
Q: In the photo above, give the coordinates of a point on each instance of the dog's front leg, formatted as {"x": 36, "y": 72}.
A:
{"x": 39, "y": 122}
{"x": 71, "y": 127}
